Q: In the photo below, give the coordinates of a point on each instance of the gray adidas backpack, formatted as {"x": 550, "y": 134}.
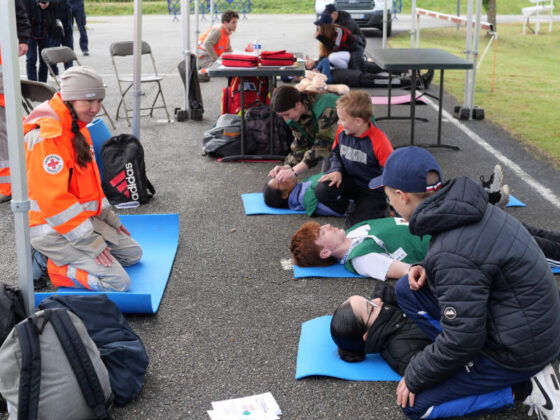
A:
{"x": 51, "y": 369}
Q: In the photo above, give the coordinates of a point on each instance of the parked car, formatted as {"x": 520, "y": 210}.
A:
{"x": 366, "y": 13}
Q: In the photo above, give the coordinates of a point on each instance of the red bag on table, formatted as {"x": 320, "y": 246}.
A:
{"x": 277, "y": 58}
{"x": 239, "y": 60}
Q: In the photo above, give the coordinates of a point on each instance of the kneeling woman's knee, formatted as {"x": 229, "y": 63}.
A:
{"x": 323, "y": 191}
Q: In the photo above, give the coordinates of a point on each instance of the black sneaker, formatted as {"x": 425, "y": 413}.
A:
{"x": 544, "y": 399}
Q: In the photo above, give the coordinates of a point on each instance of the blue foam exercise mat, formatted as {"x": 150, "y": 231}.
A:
{"x": 335, "y": 270}
{"x": 254, "y": 204}
{"x": 555, "y": 270}
{"x": 158, "y": 235}
{"x": 318, "y": 355}
{"x": 515, "y": 202}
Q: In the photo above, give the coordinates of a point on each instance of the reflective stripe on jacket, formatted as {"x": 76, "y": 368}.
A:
{"x": 63, "y": 195}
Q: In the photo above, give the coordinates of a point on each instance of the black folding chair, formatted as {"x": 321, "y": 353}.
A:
{"x": 125, "y": 49}
{"x": 60, "y": 55}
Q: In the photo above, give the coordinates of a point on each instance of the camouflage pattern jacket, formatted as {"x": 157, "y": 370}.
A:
{"x": 315, "y": 131}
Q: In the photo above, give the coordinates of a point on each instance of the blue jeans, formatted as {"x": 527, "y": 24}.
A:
{"x": 79, "y": 15}
{"x": 483, "y": 377}
{"x": 35, "y": 46}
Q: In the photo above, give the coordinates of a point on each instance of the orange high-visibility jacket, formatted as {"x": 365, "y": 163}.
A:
{"x": 221, "y": 46}
{"x": 63, "y": 195}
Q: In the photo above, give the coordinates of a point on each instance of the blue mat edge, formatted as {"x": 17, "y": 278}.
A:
{"x": 113, "y": 296}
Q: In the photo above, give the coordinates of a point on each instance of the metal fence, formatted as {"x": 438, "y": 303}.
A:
{"x": 243, "y": 7}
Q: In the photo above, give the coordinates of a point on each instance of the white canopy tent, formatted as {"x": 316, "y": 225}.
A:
{"x": 12, "y": 89}
{"x": 18, "y": 178}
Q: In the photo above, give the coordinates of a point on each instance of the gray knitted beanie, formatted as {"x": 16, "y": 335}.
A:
{"x": 81, "y": 83}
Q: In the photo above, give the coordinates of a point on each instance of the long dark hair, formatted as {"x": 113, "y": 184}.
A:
{"x": 81, "y": 146}
{"x": 347, "y": 332}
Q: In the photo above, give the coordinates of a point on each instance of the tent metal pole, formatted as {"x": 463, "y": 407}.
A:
{"x": 467, "y": 103}
{"x": 384, "y": 43}
{"x": 186, "y": 25}
{"x": 412, "y": 23}
{"x": 16, "y": 150}
{"x": 475, "y": 54}
{"x": 137, "y": 69}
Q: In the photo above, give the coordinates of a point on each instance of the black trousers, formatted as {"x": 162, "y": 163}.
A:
{"x": 368, "y": 204}
{"x": 548, "y": 241}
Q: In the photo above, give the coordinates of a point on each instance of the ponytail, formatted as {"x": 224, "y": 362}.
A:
{"x": 81, "y": 146}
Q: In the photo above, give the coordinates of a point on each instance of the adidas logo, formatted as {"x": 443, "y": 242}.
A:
{"x": 125, "y": 182}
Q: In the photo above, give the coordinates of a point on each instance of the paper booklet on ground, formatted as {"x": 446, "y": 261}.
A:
{"x": 254, "y": 407}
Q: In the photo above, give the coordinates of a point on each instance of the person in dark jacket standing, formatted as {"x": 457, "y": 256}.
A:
{"x": 486, "y": 281}
{"x": 42, "y": 16}
{"x": 78, "y": 15}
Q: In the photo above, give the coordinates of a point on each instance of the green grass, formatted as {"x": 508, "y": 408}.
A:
{"x": 101, "y": 8}
{"x": 527, "y": 85}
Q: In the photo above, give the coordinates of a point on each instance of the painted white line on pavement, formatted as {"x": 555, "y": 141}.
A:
{"x": 533, "y": 183}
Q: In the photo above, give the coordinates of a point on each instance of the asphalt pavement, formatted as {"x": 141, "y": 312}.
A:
{"x": 229, "y": 322}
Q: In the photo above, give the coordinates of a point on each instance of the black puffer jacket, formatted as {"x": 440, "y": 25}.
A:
{"x": 495, "y": 289}
{"x": 393, "y": 335}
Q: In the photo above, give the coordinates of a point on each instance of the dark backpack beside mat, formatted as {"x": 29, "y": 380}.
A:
{"x": 12, "y": 311}
{"x": 51, "y": 369}
{"x": 195, "y": 97}
{"x": 121, "y": 349}
{"x": 124, "y": 171}
{"x": 257, "y": 129}
{"x": 225, "y": 138}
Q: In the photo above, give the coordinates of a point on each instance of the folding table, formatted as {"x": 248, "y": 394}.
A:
{"x": 217, "y": 70}
{"x": 400, "y": 60}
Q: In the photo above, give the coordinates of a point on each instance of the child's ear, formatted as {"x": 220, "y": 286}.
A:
{"x": 325, "y": 253}
{"x": 285, "y": 194}
{"x": 403, "y": 196}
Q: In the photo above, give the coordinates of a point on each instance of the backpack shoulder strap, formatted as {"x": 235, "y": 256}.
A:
{"x": 30, "y": 374}
{"x": 80, "y": 362}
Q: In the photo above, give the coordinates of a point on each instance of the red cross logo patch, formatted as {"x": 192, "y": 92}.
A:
{"x": 53, "y": 164}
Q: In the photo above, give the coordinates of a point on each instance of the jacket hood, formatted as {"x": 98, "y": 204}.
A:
{"x": 460, "y": 202}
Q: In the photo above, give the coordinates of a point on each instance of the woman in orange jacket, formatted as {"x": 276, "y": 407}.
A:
{"x": 71, "y": 221}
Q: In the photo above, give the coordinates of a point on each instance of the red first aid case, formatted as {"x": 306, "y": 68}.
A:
{"x": 239, "y": 60}
{"x": 277, "y": 58}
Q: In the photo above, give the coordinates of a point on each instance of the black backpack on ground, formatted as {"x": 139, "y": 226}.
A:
{"x": 121, "y": 350}
{"x": 257, "y": 129}
{"x": 124, "y": 171}
{"x": 12, "y": 311}
{"x": 225, "y": 138}
{"x": 195, "y": 97}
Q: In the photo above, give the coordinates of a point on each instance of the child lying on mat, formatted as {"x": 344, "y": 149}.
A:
{"x": 376, "y": 325}
{"x": 360, "y": 326}
{"x": 380, "y": 248}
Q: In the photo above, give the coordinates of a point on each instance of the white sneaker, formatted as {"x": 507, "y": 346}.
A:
{"x": 544, "y": 400}
{"x": 504, "y": 197}
{"x": 498, "y": 179}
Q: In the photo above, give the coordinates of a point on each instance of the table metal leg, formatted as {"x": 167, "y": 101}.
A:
{"x": 440, "y": 112}
{"x": 388, "y": 116}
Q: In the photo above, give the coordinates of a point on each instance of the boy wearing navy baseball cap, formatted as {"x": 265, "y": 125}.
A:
{"x": 488, "y": 284}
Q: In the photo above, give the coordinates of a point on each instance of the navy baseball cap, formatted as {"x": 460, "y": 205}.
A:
{"x": 406, "y": 169}
{"x": 324, "y": 18}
